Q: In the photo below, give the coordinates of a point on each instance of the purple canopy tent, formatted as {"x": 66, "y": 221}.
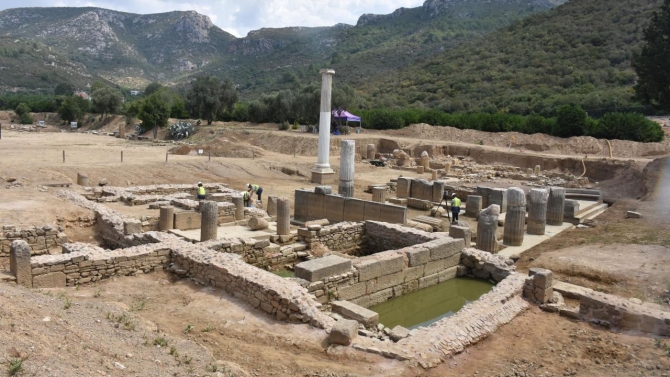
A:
{"x": 345, "y": 116}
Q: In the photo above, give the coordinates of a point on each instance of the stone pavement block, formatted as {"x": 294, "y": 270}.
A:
{"x": 316, "y": 206}
{"x": 368, "y": 268}
{"x": 417, "y": 255}
{"x": 355, "y": 312}
{"x": 445, "y": 247}
{"x": 187, "y": 220}
{"x": 372, "y": 211}
{"x": 393, "y": 214}
{"x": 351, "y": 291}
{"x": 51, "y": 280}
{"x": 343, "y": 332}
{"x": 354, "y": 210}
{"x": 334, "y": 208}
{"x": 320, "y": 268}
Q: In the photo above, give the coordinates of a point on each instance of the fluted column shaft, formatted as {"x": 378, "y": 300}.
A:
{"x": 209, "y": 221}
{"x": 515, "y": 219}
{"x": 347, "y": 168}
{"x": 555, "y": 206}
{"x": 537, "y": 217}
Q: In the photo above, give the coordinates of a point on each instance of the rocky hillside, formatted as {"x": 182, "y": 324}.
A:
{"x": 83, "y": 44}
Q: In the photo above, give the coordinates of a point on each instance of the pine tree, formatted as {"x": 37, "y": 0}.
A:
{"x": 651, "y": 64}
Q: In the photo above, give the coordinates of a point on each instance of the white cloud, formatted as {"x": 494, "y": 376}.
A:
{"x": 239, "y": 17}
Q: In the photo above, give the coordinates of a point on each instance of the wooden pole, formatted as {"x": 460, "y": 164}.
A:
{"x": 166, "y": 156}
{"x": 121, "y": 156}
{"x": 63, "y": 156}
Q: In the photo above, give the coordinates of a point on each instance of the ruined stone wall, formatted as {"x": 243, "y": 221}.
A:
{"x": 90, "y": 263}
{"x": 42, "y": 240}
{"x": 487, "y": 266}
{"x": 620, "y": 313}
{"x": 346, "y": 237}
{"x": 384, "y": 236}
{"x": 312, "y": 206}
{"x": 259, "y": 253}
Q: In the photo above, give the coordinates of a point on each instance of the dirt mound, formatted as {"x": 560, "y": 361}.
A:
{"x": 581, "y": 145}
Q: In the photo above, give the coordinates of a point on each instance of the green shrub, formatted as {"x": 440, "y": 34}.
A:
{"x": 284, "y": 126}
{"x": 571, "y": 121}
{"x": 26, "y": 119}
{"x": 628, "y": 126}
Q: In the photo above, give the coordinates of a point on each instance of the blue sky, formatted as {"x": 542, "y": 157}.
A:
{"x": 238, "y": 17}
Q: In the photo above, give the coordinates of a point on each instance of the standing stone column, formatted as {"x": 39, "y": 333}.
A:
{"x": 419, "y": 169}
{"x": 537, "y": 170}
{"x": 283, "y": 217}
{"x": 555, "y": 206}
{"x": 473, "y": 205}
{"x": 486, "y": 229}
{"x": 447, "y": 168}
{"x": 434, "y": 175}
{"x": 322, "y": 173}
{"x": 371, "y": 151}
{"x": 379, "y": 194}
{"x": 82, "y": 179}
{"x": 499, "y": 196}
{"x": 537, "y": 217}
{"x": 402, "y": 188}
{"x": 239, "y": 208}
{"x": 484, "y": 192}
{"x": 272, "y": 206}
{"x": 19, "y": 263}
{"x": 515, "y": 219}
{"x": 122, "y": 131}
{"x": 425, "y": 160}
{"x": 347, "y": 167}
{"x": 210, "y": 221}
{"x": 529, "y": 171}
{"x": 437, "y": 191}
{"x": 166, "y": 219}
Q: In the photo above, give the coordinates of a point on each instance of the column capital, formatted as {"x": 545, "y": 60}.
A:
{"x": 327, "y": 71}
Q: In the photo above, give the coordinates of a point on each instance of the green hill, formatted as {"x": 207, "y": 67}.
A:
{"x": 579, "y": 52}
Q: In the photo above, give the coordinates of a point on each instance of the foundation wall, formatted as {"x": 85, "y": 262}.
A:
{"x": 620, "y": 313}
{"x": 346, "y": 237}
{"x": 259, "y": 253}
{"x": 312, "y": 206}
{"x": 42, "y": 240}
{"x": 383, "y": 236}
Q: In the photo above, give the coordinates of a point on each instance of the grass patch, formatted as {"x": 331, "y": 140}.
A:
{"x": 138, "y": 306}
{"x": 160, "y": 341}
{"x": 188, "y": 328}
{"x": 208, "y": 328}
{"x": 121, "y": 319}
{"x": 284, "y": 273}
{"x": 67, "y": 304}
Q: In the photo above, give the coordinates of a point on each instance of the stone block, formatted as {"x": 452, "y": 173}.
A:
{"x": 462, "y": 232}
{"x": 434, "y": 267}
{"x": 316, "y": 206}
{"x": 355, "y": 312}
{"x": 300, "y": 204}
{"x": 445, "y": 248}
{"x": 389, "y": 281}
{"x": 447, "y": 274}
{"x": 398, "y": 333}
{"x": 343, "y": 332}
{"x": 398, "y": 201}
{"x": 351, "y": 291}
{"x": 438, "y": 191}
{"x": 372, "y": 211}
{"x": 51, "y": 280}
{"x": 498, "y": 196}
{"x": 354, "y": 210}
{"x": 414, "y": 273}
{"x": 187, "y": 220}
{"x": 132, "y": 226}
{"x": 633, "y": 215}
{"x": 334, "y": 208}
{"x": 403, "y": 187}
{"x": 417, "y": 255}
{"x": 543, "y": 295}
{"x": 452, "y": 261}
{"x": 390, "y": 262}
{"x": 419, "y": 204}
{"x": 393, "y": 214}
{"x": 321, "y": 268}
{"x": 323, "y": 190}
{"x": 542, "y": 278}
{"x": 428, "y": 281}
{"x": 368, "y": 268}
{"x": 381, "y": 296}
{"x": 19, "y": 263}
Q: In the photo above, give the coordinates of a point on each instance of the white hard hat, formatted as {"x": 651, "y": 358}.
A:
{"x": 248, "y": 185}
{"x": 452, "y": 195}
{"x": 199, "y": 183}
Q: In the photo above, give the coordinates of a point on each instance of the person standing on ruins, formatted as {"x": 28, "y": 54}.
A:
{"x": 258, "y": 190}
{"x": 455, "y": 207}
{"x": 201, "y": 191}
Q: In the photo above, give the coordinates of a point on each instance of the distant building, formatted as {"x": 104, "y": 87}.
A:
{"x": 134, "y": 92}
{"x": 82, "y": 95}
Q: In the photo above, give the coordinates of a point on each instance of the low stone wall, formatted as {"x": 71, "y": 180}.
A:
{"x": 46, "y": 239}
{"x": 345, "y": 237}
{"x": 620, "y": 313}
{"x": 312, "y": 206}
{"x": 259, "y": 253}
{"x": 91, "y": 263}
{"x": 384, "y": 236}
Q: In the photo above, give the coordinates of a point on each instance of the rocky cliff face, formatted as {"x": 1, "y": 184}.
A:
{"x": 194, "y": 27}
{"x": 369, "y": 18}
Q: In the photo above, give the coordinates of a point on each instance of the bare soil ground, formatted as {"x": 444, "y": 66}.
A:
{"x": 629, "y": 258}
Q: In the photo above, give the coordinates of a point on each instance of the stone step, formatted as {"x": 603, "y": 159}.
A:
{"x": 570, "y": 290}
{"x": 595, "y": 212}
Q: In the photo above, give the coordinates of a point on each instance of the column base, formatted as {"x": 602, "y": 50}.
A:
{"x": 323, "y": 176}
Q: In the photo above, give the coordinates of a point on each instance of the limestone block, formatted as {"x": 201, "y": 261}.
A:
{"x": 398, "y": 333}
{"x": 445, "y": 247}
{"x": 166, "y": 218}
{"x": 368, "y": 268}
{"x": 417, "y": 255}
{"x": 323, "y": 190}
{"x": 187, "y": 220}
{"x": 419, "y": 169}
{"x": 542, "y": 278}
{"x": 486, "y": 229}
{"x": 258, "y": 223}
{"x": 354, "y": 210}
{"x": 50, "y": 280}
{"x": 419, "y": 204}
{"x": 372, "y": 211}
{"x": 132, "y": 227}
{"x": 379, "y": 297}
{"x": 272, "y": 205}
{"x": 403, "y": 187}
{"x": 393, "y": 214}
{"x": 343, "y": 332}
{"x": 351, "y": 291}
{"x": 389, "y": 281}
{"x": 300, "y": 205}
{"x": 390, "y": 262}
{"x": 19, "y": 263}
{"x": 633, "y": 215}
{"x": 316, "y": 206}
{"x": 414, "y": 273}
{"x": 448, "y": 274}
{"x": 428, "y": 281}
{"x": 498, "y": 196}
{"x": 355, "y": 312}
{"x": 434, "y": 267}
{"x": 321, "y": 268}
{"x": 438, "y": 191}
{"x": 461, "y": 232}
{"x": 543, "y": 295}
{"x": 473, "y": 204}
{"x": 334, "y": 208}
